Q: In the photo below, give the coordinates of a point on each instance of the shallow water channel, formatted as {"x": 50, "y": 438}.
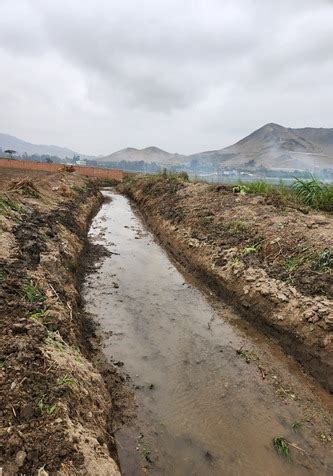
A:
{"x": 203, "y": 408}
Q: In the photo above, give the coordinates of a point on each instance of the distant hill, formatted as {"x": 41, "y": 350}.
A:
{"x": 149, "y": 154}
{"x": 272, "y": 146}
{"x": 21, "y": 146}
{"x": 275, "y": 146}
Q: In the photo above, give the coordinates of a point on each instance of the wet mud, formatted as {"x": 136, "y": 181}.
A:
{"x": 212, "y": 392}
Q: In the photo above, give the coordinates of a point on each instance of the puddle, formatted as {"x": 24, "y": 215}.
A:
{"x": 202, "y": 409}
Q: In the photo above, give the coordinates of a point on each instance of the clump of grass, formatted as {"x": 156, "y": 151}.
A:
{"x": 247, "y": 355}
{"x": 7, "y": 206}
{"x": 66, "y": 380}
{"x": 236, "y": 227}
{"x": 3, "y": 275}
{"x": 49, "y": 409}
{"x": 33, "y": 294}
{"x": 77, "y": 189}
{"x": 314, "y": 194}
{"x": 37, "y": 315}
{"x": 54, "y": 339}
{"x": 294, "y": 263}
{"x": 259, "y": 187}
{"x": 250, "y": 248}
{"x": 323, "y": 261}
{"x": 282, "y": 446}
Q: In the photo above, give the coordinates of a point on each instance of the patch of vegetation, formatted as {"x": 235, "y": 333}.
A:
{"x": 49, "y": 409}
{"x": 250, "y": 248}
{"x": 77, "y": 189}
{"x": 7, "y": 206}
{"x": 236, "y": 227}
{"x": 282, "y": 446}
{"x": 207, "y": 220}
{"x": 33, "y": 294}
{"x": 314, "y": 194}
{"x": 54, "y": 339}
{"x": 66, "y": 380}
{"x": 294, "y": 263}
{"x": 36, "y": 316}
{"x": 248, "y": 355}
{"x": 322, "y": 261}
{"x": 3, "y": 276}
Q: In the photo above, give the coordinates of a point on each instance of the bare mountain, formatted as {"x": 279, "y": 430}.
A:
{"x": 21, "y": 146}
{"x": 149, "y": 154}
{"x": 274, "y": 146}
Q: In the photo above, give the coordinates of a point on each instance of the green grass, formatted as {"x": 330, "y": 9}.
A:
{"x": 33, "y": 294}
{"x": 314, "y": 194}
{"x": 37, "y": 315}
{"x": 294, "y": 263}
{"x": 7, "y": 206}
{"x": 323, "y": 261}
{"x": 66, "y": 381}
{"x": 49, "y": 409}
{"x": 3, "y": 275}
{"x": 282, "y": 446}
{"x": 250, "y": 248}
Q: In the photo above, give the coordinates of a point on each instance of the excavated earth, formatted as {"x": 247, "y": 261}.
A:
{"x": 57, "y": 395}
{"x": 270, "y": 257}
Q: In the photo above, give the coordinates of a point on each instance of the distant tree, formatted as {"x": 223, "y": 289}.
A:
{"x": 10, "y": 152}
{"x": 48, "y": 160}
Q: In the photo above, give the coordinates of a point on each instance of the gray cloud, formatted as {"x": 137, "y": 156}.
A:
{"x": 184, "y": 75}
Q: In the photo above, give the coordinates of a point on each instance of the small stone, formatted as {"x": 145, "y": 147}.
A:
{"x": 20, "y": 458}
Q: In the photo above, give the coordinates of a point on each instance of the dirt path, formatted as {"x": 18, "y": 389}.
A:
{"x": 212, "y": 392}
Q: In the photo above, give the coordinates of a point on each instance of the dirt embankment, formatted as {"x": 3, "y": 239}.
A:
{"x": 268, "y": 258}
{"x": 55, "y": 405}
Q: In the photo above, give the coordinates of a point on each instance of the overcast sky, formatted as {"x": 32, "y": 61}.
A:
{"x": 184, "y": 75}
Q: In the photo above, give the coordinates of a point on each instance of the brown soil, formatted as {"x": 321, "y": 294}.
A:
{"x": 56, "y": 392}
{"x": 270, "y": 258}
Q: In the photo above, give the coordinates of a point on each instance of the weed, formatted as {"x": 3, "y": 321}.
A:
{"x": 294, "y": 263}
{"x": 146, "y": 451}
{"x": 37, "y": 315}
{"x": 323, "y": 261}
{"x": 247, "y": 355}
{"x": 314, "y": 194}
{"x": 3, "y": 275}
{"x": 66, "y": 380}
{"x": 33, "y": 294}
{"x": 258, "y": 187}
{"x": 55, "y": 339}
{"x": 7, "y": 206}
{"x": 2, "y": 365}
{"x": 251, "y": 248}
{"x": 49, "y": 409}
{"x": 78, "y": 356}
{"x": 236, "y": 227}
{"x": 207, "y": 220}
{"x": 282, "y": 446}
{"x": 77, "y": 189}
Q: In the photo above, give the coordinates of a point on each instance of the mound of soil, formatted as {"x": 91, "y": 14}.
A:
{"x": 269, "y": 258}
{"x": 56, "y": 407}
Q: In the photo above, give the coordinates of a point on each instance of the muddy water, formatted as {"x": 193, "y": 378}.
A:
{"x": 202, "y": 408}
